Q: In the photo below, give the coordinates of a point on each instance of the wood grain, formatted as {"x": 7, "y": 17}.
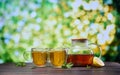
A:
{"x": 110, "y": 68}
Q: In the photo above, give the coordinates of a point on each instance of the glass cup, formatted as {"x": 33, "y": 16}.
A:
{"x": 39, "y": 56}
{"x": 57, "y": 57}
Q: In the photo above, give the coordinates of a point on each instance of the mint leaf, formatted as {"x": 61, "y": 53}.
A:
{"x": 88, "y": 66}
{"x": 21, "y": 64}
{"x": 67, "y": 65}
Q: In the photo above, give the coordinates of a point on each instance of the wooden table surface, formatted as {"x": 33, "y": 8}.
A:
{"x": 110, "y": 68}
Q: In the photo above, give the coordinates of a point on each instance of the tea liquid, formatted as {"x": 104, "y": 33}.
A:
{"x": 80, "y": 59}
{"x": 39, "y": 58}
{"x": 57, "y": 58}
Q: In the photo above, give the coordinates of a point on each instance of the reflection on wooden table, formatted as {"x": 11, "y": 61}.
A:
{"x": 111, "y": 68}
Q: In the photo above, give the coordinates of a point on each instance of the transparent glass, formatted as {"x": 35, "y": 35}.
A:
{"x": 38, "y": 56}
{"x": 57, "y": 57}
{"x": 80, "y": 54}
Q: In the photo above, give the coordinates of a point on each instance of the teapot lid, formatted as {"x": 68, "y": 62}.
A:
{"x": 80, "y": 39}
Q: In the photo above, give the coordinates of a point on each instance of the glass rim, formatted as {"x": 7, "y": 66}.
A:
{"x": 39, "y": 49}
{"x": 79, "y": 39}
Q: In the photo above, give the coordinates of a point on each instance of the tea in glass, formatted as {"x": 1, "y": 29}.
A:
{"x": 80, "y": 59}
{"x": 80, "y": 54}
{"x": 57, "y": 57}
{"x": 39, "y": 56}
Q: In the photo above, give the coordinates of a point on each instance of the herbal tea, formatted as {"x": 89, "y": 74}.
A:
{"x": 80, "y": 59}
{"x": 57, "y": 58}
{"x": 39, "y": 58}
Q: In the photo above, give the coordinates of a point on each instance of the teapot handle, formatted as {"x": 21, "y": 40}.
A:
{"x": 27, "y": 56}
{"x": 98, "y": 47}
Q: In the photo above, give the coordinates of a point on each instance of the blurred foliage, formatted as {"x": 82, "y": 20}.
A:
{"x": 25, "y": 24}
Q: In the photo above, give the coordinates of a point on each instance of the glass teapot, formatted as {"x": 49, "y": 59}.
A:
{"x": 80, "y": 54}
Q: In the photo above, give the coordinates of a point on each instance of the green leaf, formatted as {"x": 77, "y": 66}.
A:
{"x": 67, "y": 65}
{"x": 88, "y": 66}
{"x": 21, "y": 64}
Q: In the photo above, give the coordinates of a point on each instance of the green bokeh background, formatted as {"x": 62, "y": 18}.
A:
{"x": 25, "y": 24}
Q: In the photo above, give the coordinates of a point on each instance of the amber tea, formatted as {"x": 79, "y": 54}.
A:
{"x": 57, "y": 57}
{"x": 81, "y": 52}
{"x": 39, "y": 58}
{"x": 80, "y": 59}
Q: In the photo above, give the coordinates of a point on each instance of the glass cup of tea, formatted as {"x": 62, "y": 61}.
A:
{"x": 57, "y": 57}
{"x": 38, "y": 55}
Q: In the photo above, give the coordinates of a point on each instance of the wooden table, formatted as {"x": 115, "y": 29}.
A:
{"x": 111, "y": 68}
